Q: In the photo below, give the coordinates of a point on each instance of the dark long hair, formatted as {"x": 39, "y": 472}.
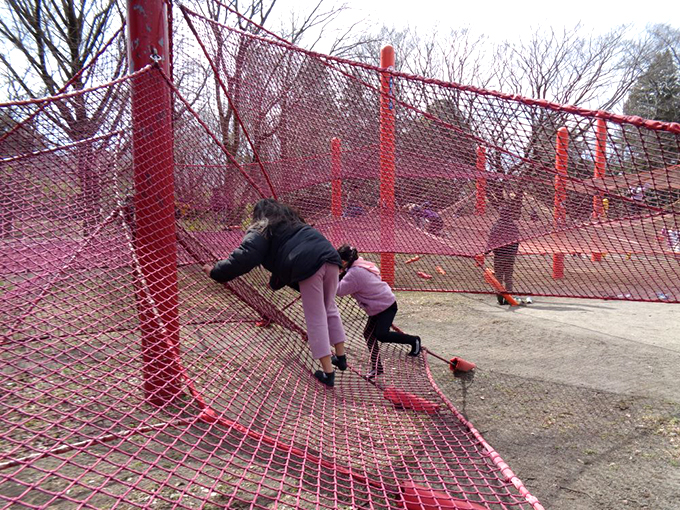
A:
{"x": 348, "y": 254}
{"x": 269, "y": 214}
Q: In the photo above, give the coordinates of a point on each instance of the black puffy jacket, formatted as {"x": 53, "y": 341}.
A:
{"x": 292, "y": 253}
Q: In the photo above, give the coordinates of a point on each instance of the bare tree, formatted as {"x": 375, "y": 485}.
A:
{"x": 320, "y": 26}
{"x": 307, "y": 29}
{"x": 57, "y": 41}
{"x": 570, "y": 67}
{"x": 567, "y": 67}
{"x": 56, "y": 38}
{"x": 256, "y": 125}
{"x": 666, "y": 37}
{"x": 402, "y": 40}
{"x": 468, "y": 58}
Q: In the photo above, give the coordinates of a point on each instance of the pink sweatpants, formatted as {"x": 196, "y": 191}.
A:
{"x": 324, "y": 326}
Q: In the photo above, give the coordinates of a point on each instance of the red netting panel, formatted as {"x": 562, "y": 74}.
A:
{"x": 248, "y": 426}
{"x": 108, "y": 404}
{"x": 603, "y": 225}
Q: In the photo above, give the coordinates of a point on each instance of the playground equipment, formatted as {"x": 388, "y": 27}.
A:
{"x": 130, "y": 380}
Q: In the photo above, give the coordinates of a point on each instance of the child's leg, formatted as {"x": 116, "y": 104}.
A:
{"x": 499, "y": 272}
{"x": 372, "y": 344}
{"x": 336, "y": 332}
{"x": 383, "y": 323}
{"x": 510, "y": 265}
{"x": 507, "y": 280}
{"x": 314, "y": 307}
{"x": 499, "y": 265}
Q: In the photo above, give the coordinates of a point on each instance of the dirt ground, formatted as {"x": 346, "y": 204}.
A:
{"x": 580, "y": 397}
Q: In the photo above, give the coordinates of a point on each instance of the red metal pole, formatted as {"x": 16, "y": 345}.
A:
{"x": 154, "y": 210}
{"x": 599, "y": 172}
{"x": 387, "y": 162}
{"x": 336, "y": 174}
{"x": 559, "y": 211}
{"x": 480, "y": 206}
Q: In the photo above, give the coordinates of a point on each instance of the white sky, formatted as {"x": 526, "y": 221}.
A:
{"x": 509, "y": 17}
{"x": 505, "y": 19}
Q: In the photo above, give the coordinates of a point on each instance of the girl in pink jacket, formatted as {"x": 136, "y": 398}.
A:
{"x": 361, "y": 279}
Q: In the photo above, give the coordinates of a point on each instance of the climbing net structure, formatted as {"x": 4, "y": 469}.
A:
{"x": 417, "y": 167}
{"x": 129, "y": 379}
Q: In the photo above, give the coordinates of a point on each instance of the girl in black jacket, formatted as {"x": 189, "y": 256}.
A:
{"x": 299, "y": 256}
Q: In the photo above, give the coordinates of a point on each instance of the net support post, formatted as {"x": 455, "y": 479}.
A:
{"x": 154, "y": 203}
{"x": 336, "y": 176}
{"x": 599, "y": 173}
{"x": 559, "y": 209}
{"x": 387, "y": 164}
{"x": 480, "y": 203}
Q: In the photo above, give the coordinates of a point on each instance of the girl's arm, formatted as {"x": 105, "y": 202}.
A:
{"x": 350, "y": 284}
{"x": 243, "y": 259}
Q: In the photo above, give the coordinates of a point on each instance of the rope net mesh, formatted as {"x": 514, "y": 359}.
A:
{"x": 461, "y": 158}
{"x": 121, "y": 389}
{"x": 247, "y": 425}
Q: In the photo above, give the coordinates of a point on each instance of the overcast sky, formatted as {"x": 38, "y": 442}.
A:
{"x": 506, "y": 19}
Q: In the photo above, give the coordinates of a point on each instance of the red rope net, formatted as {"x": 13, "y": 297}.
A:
{"x": 111, "y": 401}
{"x": 603, "y": 226}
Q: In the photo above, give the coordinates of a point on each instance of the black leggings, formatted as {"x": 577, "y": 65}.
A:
{"x": 504, "y": 264}
{"x": 378, "y": 330}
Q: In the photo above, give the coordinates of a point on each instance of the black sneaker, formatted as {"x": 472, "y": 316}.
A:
{"x": 501, "y": 300}
{"x": 339, "y": 361}
{"x": 415, "y": 348}
{"x": 324, "y": 378}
